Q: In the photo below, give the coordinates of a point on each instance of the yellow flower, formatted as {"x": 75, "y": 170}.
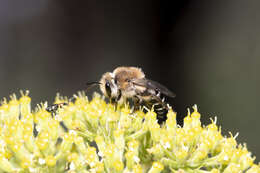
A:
{"x": 50, "y": 160}
{"x": 103, "y": 138}
{"x": 156, "y": 167}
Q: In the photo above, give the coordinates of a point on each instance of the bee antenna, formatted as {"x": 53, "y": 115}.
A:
{"x": 91, "y": 84}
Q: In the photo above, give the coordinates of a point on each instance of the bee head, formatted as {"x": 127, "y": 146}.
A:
{"x": 109, "y": 87}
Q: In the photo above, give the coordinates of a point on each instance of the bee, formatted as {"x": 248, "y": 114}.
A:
{"x": 53, "y": 110}
{"x": 126, "y": 83}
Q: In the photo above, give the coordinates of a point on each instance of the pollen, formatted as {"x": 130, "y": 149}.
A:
{"x": 50, "y": 160}
{"x": 118, "y": 165}
{"x": 72, "y": 157}
{"x": 156, "y": 167}
{"x": 25, "y": 163}
{"x": 91, "y": 157}
{"x": 133, "y": 145}
{"x": 137, "y": 169}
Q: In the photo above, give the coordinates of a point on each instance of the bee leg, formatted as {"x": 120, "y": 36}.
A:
{"x": 113, "y": 102}
{"x": 137, "y": 103}
{"x": 64, "y": 127}
{"x": 118, "y": 99}
{"x": 35, "y": 131}
{"x": 115, "y": 106}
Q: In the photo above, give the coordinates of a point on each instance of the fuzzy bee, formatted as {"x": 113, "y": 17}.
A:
{"x": 126, "y": 83}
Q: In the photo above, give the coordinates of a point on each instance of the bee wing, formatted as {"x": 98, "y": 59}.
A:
{"x": 149, "y": 84}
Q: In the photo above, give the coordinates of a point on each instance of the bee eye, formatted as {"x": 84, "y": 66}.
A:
{"x": 108, "y": 89}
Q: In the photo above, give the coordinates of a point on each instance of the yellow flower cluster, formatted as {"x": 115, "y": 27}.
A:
{"x": 93, "y": 136}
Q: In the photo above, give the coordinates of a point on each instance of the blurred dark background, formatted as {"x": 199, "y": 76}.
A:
{"x": 207, "y": 52}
